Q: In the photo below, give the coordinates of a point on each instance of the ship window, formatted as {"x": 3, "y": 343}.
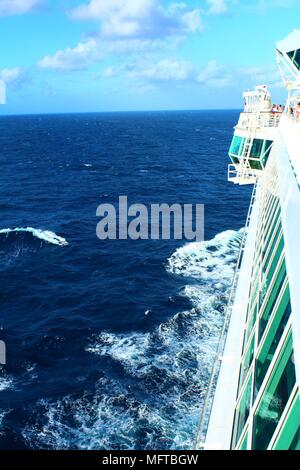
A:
{"x": 295, "y": 57}
{"x": 260, "y": 150}
{"x": 270, "y": 304}
{"x": 234, "y": 159}
{"x": 246, "y": 364}
{"x": 272, "y": 264}
{"x": 295, "y": 444}
{"x": 272, "y": 220}
{"x": 257, "y": 148}
{"x": 243, "y": 445}
{"x": 266, "y": 151}
{"x": 275, "y": 398}
{"x": 271, "y": 209}
{"x": 237, "y": 145}
{"x": 251, "y": 322}
{"x": 273, "y": 338}
{"x": 270, "y": 246}
{"x": 289, "y": 437}
{"x": 255, "y": 164}
{"x": 242, "y": 413}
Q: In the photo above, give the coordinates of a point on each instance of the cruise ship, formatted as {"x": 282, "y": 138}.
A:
{"x": 252, "y": 401}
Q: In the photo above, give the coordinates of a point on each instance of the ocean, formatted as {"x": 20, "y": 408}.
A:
{"x": 110, "y": 343}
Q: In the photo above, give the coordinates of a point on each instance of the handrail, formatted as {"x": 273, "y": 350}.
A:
{"x": 208, "y": 401}
{"x": 264, "y": 119}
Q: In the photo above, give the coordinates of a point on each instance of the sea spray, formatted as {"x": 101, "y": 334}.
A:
{"x": 45, "y": 235}
{"x": 167, "y": 369}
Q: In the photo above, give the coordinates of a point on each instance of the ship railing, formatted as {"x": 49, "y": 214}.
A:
{"x": 238, "y": 175}
{"x": 260, "y": 119}
{"x": 294, "y": 116}
{"x": 217, "y": 361}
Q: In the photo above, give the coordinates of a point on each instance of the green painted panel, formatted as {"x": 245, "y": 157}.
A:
{"x": 289, "y": 437}
{"x": 244, "y": 443}
{"x": 272, "y": 340}
{"x": 246, "y": 364}
{"x": 274, "y": 398}
{"x": 242, "y": 413}
{"x": 272, "y": 299}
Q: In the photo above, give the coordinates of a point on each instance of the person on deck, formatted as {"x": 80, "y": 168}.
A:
{"x": 297, "y": 111}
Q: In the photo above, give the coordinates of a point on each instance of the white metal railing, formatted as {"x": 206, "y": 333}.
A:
{"x": 257, "y": 120}
{"x": 294, "y": 116}
{"x": 208, "y": 401}
{"x": 235, "y": 175}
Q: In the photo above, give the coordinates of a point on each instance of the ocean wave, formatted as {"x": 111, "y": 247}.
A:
{"x": 5, "y": 383}
{"x": 168, "y": 369}
{"x": 45, "y": 235}
{"x": 212, "y": 260}
{"x": 3, "y": 414}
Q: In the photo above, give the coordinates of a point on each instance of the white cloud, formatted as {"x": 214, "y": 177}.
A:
{"x": 167, "y": 69}
{"x": 214, "y": 75}
{"x": 217, "y": 7}
{"x": 267, "y": 75}
{"x": 17, "y": 7}
{"x": 192, "y": 21}
{"x": 92, "y": 50}
{"x": 76, "y": 58}
{"x": 139, "y": 18}
{"x": 15, "y": 76}
{"x": 109, "y": 72}
{"x": 126, "y": 26}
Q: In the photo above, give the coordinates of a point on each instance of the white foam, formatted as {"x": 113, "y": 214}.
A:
{"x": 5, "y": 383}
{"x": 122, "y": 348}
{"x": 45, "y": 235}
{"x": 2, "y": 417}
{"x": 172, "y": 364}
{"x": 212, "y": 260}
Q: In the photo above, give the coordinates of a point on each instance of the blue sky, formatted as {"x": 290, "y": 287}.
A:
{"x": 111, "y": 55}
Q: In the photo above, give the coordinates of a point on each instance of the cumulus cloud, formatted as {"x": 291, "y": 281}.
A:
{"x": 76, "y": 58}
{"x": 224, "y": 7}
{"x": 212, "y": 75}
{"x": 17, "y": 7}
{"x": 139, "y": 18}
{"x": 217, "y": 7}
{"x": 167, "y": 69}
{"x": 15, "y": 77}
{"x": 126, "y": 26}
{"x": 92, "y": 50}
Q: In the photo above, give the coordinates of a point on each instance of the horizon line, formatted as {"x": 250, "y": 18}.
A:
{"x": 117, "y": 112}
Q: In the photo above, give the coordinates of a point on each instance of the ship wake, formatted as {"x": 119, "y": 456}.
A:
{"x": 167, "y": 370}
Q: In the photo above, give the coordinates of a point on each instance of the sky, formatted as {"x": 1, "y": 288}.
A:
{"x": 61, "y": 56}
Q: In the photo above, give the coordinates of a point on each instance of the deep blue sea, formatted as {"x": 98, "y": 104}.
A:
{"x": 110, "y": 343}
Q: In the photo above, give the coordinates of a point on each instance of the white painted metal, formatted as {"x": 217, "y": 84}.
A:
{"x": 221, "y": 419}
{"x": 257, "y": 121}
{"x": 285, "y": 159}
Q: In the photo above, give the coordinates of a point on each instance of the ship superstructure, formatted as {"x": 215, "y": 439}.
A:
{"x": 253, "y": 399}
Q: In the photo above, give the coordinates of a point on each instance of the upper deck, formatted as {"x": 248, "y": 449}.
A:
{"x": 253, "y": 137}
{"x": 258, "y": 120}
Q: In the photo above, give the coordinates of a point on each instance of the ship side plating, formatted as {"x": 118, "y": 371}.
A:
{"x": 253, "y": 398}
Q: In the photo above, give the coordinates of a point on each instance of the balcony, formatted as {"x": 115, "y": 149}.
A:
{"x": 259, "y": 120}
